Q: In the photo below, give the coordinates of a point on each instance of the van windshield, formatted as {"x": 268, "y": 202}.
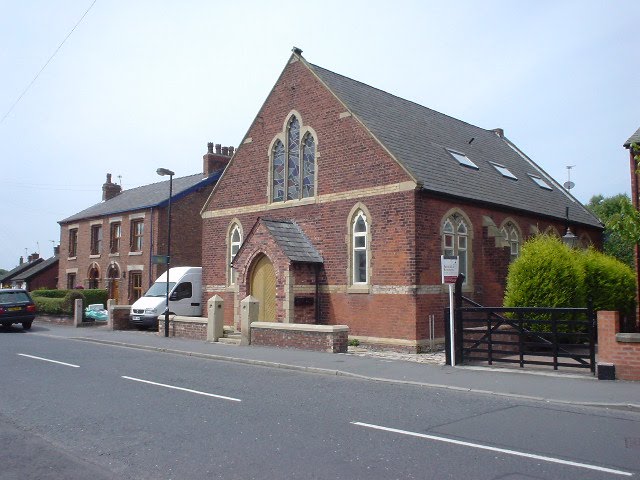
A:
{"x": 159, "y": 289}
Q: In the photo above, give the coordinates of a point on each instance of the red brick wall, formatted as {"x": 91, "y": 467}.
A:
{"x": 624, "y": 355}
{"x": 178, "y": 328}
{"x": 333, "y": 342}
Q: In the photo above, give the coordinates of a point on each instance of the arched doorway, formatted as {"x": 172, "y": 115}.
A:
{"x": 94, "y": 276}
{"x": 113, "y": 277}
{"x": 263, "y": 287}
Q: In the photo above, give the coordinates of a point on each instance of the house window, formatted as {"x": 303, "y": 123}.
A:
{"x": 511, "y": 238}
{"x": 293, "y": 165}
{"x": 235, "y": 240}
{"x": 137, "y": 230}
{"x": 96, "y": 239}
{"x": 360, "y": 249}
{"x": 115, "y": 232}
{"x": 94, "y": 277}
{"x": 71, "y": 281}
{"x": 135, "y": 281}
{"x": 73, "y": 242}
{"x": 455, "y": 242}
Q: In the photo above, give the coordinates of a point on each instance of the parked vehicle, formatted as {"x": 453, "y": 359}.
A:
{"x": 16, "y": 306}
{"x": 185, "y": 297}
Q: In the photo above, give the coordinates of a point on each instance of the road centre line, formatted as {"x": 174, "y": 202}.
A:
{"x": 495, "y": 449}
{"x": 182, "y": 389}
{"x": 48, "y": 360}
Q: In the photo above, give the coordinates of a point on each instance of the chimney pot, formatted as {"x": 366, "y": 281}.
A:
{"x": 225, "y": 151}
{"x": 108, "y": 178}
{"x": 218, "y": 147}
{"x": 231, "y": 150}
{"x": 21, "y": 260}
{"x": 210, "y": 147}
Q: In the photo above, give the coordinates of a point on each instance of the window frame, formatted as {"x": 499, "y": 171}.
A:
{"x": 73, "y": 242}
{"x": 232, "y": 273}
{"x": 460, "y": 234}
{"x": 512, "y": 238}
{"x": 71, "y": 280}
{"x": 114, "y": 240}
{"x": 137, "y": 238}
{"x": 355, "y": 247}
{"x": 282, "y": 144}
{"x": 96, "y": 239}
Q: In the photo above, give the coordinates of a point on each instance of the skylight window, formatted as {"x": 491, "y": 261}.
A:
{"x": 504, "y": 171}
{"x": 541, "y": 183}
{"x": 462, "y": 159}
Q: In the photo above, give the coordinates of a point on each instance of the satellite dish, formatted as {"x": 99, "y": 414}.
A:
{"x": 569, "y": 185}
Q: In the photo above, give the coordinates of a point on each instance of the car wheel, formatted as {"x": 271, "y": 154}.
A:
{"x": 6, "y": 324}
{"x": 27, "y": 325}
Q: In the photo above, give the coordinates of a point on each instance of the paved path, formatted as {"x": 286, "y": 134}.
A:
{"x": 577, "y": 389}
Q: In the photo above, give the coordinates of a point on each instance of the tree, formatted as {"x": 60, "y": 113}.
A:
{"x": 621, "y": 225}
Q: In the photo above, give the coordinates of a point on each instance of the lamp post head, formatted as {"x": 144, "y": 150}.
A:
{"x": 569, "y": 239}
{"x": 164, "y": 171}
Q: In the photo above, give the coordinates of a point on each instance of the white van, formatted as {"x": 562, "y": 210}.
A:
{"x": 185, "y": 297}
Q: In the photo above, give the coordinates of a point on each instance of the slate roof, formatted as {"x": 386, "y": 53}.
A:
{"x": 418, "y": 136}
{"x": 147, "y": 196}
{"x": 292, "y": 240}
{"x": 635, "y": 138}
{"x": 19, "y": 269}
{"x": 36, "y": 269}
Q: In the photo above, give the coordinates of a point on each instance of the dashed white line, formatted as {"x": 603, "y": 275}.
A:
{"x": 49, "y": 360}
{"x": 182, "y": 389}
{"x": 495, "y": 449}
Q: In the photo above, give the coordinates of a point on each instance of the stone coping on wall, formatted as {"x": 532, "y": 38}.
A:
{"x": 180, "y": 318}
{"x": 628, "y": 337}
{"x": 303, "y": 327}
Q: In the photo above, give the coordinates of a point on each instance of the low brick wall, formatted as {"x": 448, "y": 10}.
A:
{"x": 119, "y": 317}
{"x": 194, "y": 328}
{"x": 57, "y": 319}
{"x": 322, "y": 338}
{"x": 620, "y": 349}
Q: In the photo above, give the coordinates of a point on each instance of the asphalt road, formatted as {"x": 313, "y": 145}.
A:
{"x": 110, "y": 412}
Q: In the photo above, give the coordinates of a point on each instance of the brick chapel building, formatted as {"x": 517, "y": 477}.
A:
{"x": 635, "y": 199}
{"x": 110, "y": 244}
{"x": 349, "y": 195}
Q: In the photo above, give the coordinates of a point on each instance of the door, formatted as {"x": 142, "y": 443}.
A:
{"x": 263, "y": 287}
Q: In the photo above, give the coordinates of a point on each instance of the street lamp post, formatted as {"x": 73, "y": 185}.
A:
{"x": 163, "y": 172}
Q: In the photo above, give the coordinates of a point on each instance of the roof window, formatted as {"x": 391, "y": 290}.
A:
{"x": 541, "y": 183}
{"x": 462, "y": 159}
{"x": 504, "y": 171}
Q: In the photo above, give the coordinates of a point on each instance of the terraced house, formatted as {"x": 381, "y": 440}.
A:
{"x": 110, "y": 244}
{"x": 341, "y": 198}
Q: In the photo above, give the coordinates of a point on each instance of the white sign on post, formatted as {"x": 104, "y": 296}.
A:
{"x": 449, "y": 276}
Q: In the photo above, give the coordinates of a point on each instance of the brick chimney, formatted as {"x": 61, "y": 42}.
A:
{"x": 110, "y": 190}
{"x": 499, "y": 132}
{"x": 21, "y": 260}
{"x": 56, "y": 250}
{"x": 33, "y": 256}
{"x": 214, "y": 162}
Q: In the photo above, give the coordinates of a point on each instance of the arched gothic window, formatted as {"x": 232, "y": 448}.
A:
{"x": 360, "y": 249}
{"x": 235, "y": 240}
{"x": 293, "y": 165}
{"x": 455, "y": 241}
{"x": 512, "y": 238}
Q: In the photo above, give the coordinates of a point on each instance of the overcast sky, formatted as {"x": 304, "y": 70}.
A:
{"x": 145, "y": 84}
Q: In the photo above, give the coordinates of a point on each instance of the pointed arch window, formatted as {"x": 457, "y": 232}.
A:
{"x": 360, "y": 249}
{"x": 512, "y": 239}
{"x": 455, "y": 242}
{"x": 235, "y": 240}
{"x": 293, "y": 164}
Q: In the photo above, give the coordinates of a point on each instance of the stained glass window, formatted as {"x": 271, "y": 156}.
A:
{"x": 308, "y": 166}
{"x": 278, "y": 172}
{"x": 293, "y": 160}
{"x": 293, "y": 165}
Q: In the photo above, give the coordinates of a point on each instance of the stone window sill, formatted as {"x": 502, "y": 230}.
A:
{"x": 359, "y": 289}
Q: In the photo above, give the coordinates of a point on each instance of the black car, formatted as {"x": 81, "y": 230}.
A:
{"x": 16, "y": 306}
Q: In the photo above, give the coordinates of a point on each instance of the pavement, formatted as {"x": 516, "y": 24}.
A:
{"x": 547, "y": 386}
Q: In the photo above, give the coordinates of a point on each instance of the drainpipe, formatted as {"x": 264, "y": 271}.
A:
{"x": 317, "y": 301}
{"x": 151, "y": 277}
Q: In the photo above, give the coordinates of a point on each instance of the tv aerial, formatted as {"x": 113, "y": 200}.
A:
{"x": 569, "y": 184}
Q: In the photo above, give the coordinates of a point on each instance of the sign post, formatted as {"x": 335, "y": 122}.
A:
{"x": 449, "y": 266}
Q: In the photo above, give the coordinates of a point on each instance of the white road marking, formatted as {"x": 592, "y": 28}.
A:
{"x": 183, "y": 389}
{"x": 48, "y": 360}
{"x": 496, "y": 449}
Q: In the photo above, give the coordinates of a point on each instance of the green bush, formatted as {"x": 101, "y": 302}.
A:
{"x": 68, "y": 303}
{"x": 609, "y": 283}
{"x": 48, "y": 305}
{"x": 546, "y": 274}
{"x": 49, "y": 293}
{"x": 95, "y": 295}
